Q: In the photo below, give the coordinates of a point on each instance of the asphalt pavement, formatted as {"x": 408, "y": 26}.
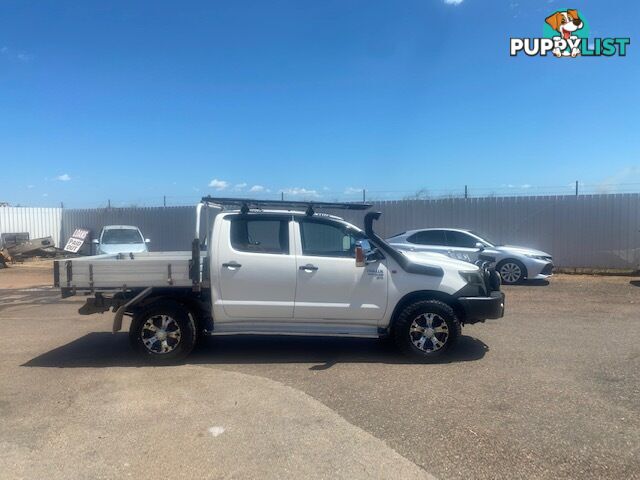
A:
{"x": 552, "y": 390}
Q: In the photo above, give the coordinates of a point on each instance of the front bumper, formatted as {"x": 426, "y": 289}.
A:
{"x": 538, "y": 269}
{"x": 477, "y": 309}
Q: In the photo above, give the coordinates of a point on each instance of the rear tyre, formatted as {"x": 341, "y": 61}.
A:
{"x": 511, "y": 271}
{"x": 425, "y": 330}
{"x": 163, "y": 332}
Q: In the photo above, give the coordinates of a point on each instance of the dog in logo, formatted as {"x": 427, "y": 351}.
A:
{"x": 565, "y": 23}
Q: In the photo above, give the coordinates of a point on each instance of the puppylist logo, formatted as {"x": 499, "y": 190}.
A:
{"x": 566, "y": 34}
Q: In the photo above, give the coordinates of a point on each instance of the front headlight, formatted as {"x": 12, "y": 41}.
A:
{"x": 473, "y": 278}
{"x": 537, "y": 257}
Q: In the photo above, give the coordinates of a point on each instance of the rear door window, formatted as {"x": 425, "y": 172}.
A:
{"x": 428, "y": 237}
{"x": 460, "y": 239}
{"x": 260, "y": 235}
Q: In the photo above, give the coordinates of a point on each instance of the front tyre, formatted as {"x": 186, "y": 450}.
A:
{"x": 163, "y": 332}
{"x": 426, "y": 330}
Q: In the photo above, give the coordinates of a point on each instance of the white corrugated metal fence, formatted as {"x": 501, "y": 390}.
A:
{"x": 38, "y": 222}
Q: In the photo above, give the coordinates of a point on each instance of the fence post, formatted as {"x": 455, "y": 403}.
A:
{"x": 364, "y": 195}
{"x": 576, "y": 188}
{"x": 466, "y": 192}
{"x": 282, "y": 196}
{"x": 109, "y": 203}
{"x": 164, "y": 200}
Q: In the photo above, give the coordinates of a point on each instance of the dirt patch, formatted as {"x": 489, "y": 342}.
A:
{"x": 30, "y": 274}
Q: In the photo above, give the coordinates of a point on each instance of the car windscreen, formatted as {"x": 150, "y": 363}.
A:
{"x": 121, "y": 235}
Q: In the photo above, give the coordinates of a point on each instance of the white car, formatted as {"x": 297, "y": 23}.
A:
{"x": 285, "y": 272}
{"x": 121, "y": 239}
{"x": 515, "y": 264}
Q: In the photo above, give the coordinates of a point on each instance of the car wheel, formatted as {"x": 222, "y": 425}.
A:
{"x": 511, "y": 271}
{"x": 426, "y": 329}
{"x": 163, "y": 332}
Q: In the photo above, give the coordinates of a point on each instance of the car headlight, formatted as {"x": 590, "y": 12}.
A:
{"x": 537, "y": 257}
{"x": 473, "y": 278}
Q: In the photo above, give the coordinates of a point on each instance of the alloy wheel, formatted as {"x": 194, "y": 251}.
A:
{"x": 160, "y": 334}
{"x": 429, "y": 332}
{"x": 510, "y": 272}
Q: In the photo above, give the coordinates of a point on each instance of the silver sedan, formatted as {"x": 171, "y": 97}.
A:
{"x": 515, "y": 264}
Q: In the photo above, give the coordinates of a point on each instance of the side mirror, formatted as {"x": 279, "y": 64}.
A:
{"x": 372, "y": 256}
{"x": 360, "y": 262}
{"x": 146, "y": 240}
{"x": 95, "y": 241}
{"x": 480, "y": 246}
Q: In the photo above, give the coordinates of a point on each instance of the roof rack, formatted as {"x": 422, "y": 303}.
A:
{"x": 245, "y": 204}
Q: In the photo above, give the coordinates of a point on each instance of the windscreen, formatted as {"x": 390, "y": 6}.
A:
{"x": 120, "y": 236}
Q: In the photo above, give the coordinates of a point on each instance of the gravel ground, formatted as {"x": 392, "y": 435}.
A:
{"x": 552, "y": 390}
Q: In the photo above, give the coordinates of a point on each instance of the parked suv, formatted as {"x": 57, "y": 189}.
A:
{"x": 515, "y": 264}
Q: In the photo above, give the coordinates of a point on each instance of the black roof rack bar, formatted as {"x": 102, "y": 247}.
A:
{"x": 309, "y": 206}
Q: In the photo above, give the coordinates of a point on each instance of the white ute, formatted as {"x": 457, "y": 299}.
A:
{"x": 284, "y": 272}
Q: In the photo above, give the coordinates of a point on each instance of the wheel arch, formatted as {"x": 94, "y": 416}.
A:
{"x": 196, "y": 307}
{"x": 420, "y": 295}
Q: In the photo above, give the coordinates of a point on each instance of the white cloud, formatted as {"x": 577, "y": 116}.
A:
{"x": 64, "y": 177}
{"x": 630, "y": 174}
{"x": 257, "y": 189}
{"x": 45, "y": 194}
{"x": 14, "y": 55}
{"x": 453, "y": 2}
{"x": 31, "y": 186}
{"x": 301, "y": 192}
{"x": 239, "y": 186}
{"x": 219, "y": 184}
{"x": 352, "y": 190}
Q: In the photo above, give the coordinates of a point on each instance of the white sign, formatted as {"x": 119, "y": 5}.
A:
{"x": 77, "y": 239}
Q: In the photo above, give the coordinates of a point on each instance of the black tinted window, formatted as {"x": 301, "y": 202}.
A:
{"x": 260, "y": 235}
{"x": 461, "y": 239}
{"x": 428, "y": 237}
{"x": 328, "y": 239}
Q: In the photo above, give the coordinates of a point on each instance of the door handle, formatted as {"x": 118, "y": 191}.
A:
{"x": 308, "y": 268}
{"x": 231, "y": 265}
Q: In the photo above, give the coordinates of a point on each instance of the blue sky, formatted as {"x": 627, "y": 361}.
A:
{"x": 135, "y": 100}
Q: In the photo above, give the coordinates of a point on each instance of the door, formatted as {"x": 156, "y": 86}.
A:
{"x": 257, "y": 270}
{"x": 462, "y": 245}
{"x": 329, "y": 285}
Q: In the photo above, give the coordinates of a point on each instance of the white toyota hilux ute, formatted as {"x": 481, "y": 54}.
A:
{"x": 284, "y": 272}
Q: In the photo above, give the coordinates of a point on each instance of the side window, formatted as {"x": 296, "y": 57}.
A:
{"x": 428, "y": 237}
{"x": 327, "y": 239}
{"x": 460, "y": 239}
{"x": 260, "y": 235}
